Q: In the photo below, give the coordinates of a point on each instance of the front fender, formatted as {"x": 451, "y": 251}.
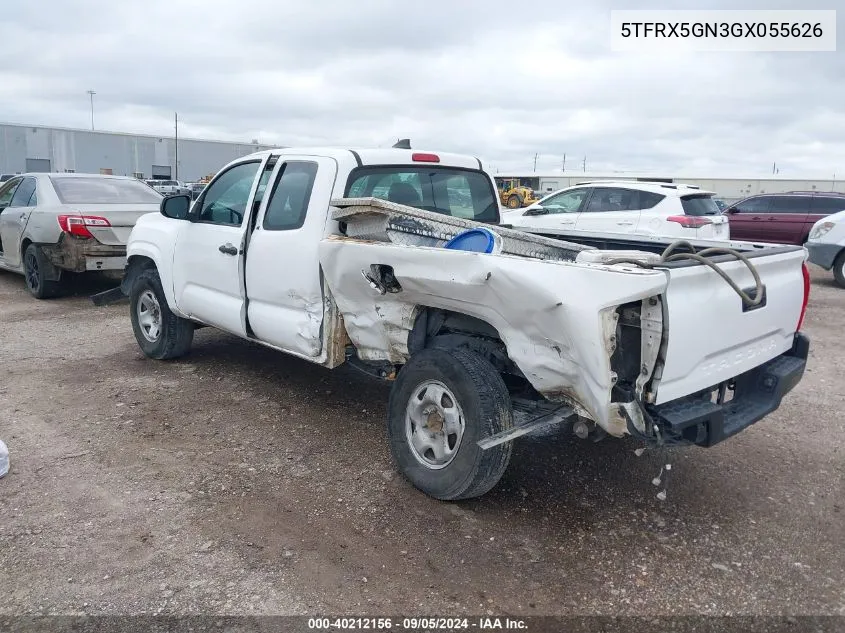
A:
{"x": 143, "y": 255}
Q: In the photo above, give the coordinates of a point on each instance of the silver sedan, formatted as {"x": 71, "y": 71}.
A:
{"x": 53, "y": 223}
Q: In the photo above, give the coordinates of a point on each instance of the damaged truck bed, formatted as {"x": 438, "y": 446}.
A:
{"x": 347, "y": 258}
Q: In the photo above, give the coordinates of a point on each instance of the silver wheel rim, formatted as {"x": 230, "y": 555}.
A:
{"x": 434, "y": 425}
{"x": 149, "y": 316}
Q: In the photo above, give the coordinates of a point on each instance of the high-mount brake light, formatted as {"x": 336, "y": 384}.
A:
{"x": 420, "y": 157}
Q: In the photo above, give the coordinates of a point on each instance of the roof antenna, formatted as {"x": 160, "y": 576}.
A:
{"x": 403, "y": 143}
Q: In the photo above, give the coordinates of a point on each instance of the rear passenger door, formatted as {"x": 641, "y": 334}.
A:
{"x": 748, "y": 219}
{"x": 786, "y": 219}
{"x": 610, "y": 210}
{"x": 13, "y": 220}
{"x": 7, "y": 190}
{"x": 283, "y": 277}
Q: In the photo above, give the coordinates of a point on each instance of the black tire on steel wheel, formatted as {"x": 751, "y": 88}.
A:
{"x": 160, "y": 333}
{"x": 35, "y": 264}
{"x": 839, "y": 269}
{"x": 441, "y": 404}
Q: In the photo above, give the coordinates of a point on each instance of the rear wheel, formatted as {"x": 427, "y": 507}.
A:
{"x": 160, "y": 333}
{"x": 514, "y": 202}
{"x": 441, "y": 404}
{"x": 839, "y": 269}
{"x": 35, "y": 267}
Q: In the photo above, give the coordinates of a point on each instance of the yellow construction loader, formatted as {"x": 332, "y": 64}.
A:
{"x": 514, "y": 195}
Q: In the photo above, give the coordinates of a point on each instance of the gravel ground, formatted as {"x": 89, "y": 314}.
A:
{"x": 241, "y": 481}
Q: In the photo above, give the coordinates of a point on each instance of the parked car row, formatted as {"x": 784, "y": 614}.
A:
{"x": 686, "y": 212}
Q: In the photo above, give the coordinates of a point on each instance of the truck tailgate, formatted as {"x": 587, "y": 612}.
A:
{"x": 711, "y": 336}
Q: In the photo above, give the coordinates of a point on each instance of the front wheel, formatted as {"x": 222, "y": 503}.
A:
{"x": 441, "y": 404}
{"x": 160, "y": 333}
{"x": 839, "y": 269}
{"x": 514, "y": 202}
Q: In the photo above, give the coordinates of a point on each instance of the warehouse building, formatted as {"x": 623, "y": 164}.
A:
{"x": 33, "y": 148}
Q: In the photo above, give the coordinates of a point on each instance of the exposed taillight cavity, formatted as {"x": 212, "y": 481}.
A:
{"x": 78, "y": 224}
{"x": 806, "y": 272}
{"x": 690, "y": 221}
{"x": 420, "y": 157}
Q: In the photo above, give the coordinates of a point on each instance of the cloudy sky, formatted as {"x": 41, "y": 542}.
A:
{"x": 504, "y": 80}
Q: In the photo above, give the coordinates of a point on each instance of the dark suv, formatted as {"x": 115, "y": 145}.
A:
{"x": 784, "y": 218}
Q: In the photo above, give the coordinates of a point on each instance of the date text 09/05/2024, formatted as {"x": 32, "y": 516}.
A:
{"x": 415, "y": 624}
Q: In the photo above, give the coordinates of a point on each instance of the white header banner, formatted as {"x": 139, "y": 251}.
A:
{"x": 728, "y": 31}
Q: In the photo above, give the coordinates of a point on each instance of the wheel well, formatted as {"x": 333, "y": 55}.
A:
{"x": 25, "y": 245}
{"x": 444, "y": 329}
{"x": 135, "y": 266}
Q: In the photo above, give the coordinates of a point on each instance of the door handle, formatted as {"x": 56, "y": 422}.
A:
{"x": 756, "y": 217}
{"x": 228, "y": 249}
{"x": 625, "y": 223}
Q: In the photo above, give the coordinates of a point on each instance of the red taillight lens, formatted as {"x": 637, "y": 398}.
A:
{"x": 806, "y": 272}
{"x": 690, "y": 221}
{"x": 419, "y": 157}
{"x": 78, "y": 224}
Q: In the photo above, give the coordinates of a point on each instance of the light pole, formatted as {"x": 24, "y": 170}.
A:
{"x": 91, "y": 94}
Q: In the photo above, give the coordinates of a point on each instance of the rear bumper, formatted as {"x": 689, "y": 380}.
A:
{"x": 758, "y": 392}
{"x": 823, "y": 254}
{"x": 80, "y": 255}
{"x": 105, "y": 263}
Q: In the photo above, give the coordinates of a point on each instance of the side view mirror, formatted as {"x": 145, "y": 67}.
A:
{"x": 537, "y": 210}
{"x": 176, "y": 207}
{"x": 730, "y": 211}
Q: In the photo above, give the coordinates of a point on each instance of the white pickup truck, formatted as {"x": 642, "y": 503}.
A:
{"x": 335, "y": 255}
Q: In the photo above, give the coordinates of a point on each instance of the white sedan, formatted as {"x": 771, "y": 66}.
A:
{"x": 52, "y": 224}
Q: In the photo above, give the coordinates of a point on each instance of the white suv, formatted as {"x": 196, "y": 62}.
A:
{"x": 630, "y": 207}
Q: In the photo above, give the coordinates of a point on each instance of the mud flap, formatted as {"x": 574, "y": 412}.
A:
{"x": 109, "y": 296}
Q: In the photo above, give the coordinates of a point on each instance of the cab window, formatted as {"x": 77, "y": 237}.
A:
{"x": 462, "y": 193}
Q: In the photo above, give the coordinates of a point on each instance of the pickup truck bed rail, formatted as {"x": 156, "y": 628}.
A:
{"x": 384, "y": 221}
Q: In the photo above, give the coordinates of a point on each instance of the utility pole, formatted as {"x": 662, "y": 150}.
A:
{"x": 585, "y": 165}
{"x": 774, "y": 170}
{"x": 91, "y": 94}
{"x": 563, "y": 168}
{"x": 535, "y": 162}
{"x": 176, "y": 144}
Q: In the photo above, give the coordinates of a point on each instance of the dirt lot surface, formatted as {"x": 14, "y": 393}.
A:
{"x": 242, "y": 481}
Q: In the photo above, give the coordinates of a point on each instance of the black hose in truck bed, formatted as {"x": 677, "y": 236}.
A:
{"x": 701, "y": 256}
